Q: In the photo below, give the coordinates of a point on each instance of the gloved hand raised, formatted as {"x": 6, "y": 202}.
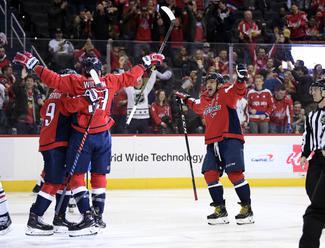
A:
{"x": 181, "y": 96}
{"x": 242, "y": 73}
{"x": 26, "y": 59}
{"x": 152, "y": 59}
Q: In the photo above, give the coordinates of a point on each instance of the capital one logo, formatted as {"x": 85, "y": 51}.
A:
{"x": 294, "y": 159}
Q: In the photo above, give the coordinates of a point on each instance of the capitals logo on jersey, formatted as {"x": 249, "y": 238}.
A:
{"x": 212, "y": 108}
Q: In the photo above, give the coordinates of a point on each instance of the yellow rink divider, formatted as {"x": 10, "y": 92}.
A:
{"x": 164, "y": 183}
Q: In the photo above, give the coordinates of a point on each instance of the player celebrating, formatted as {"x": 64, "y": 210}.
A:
{"x": 5, "y": 220}
{"x": 314, "y": 140}
{"x": 224, "y": 141}
{"x": 97, "y": 147}
{"x": 53, "y": 142}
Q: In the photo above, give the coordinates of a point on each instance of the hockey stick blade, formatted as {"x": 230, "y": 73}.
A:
{"x": 170, "y": 14}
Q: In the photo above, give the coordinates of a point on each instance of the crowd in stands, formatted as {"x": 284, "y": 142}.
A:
{"x": 277, "y": 99}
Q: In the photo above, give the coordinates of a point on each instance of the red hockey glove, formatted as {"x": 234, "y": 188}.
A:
{"x": 181, "y": 96}
{"x": 26, "y": 59}
{"x": 152, "y": 59}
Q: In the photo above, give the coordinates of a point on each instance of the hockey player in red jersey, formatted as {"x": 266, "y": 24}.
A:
{"x": 224, "y": 141}
{"x": 97, "y": 147}
{"x": 54, "y": 136}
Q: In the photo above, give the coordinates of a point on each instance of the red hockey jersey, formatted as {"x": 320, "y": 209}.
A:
{"x": 297, "y": 24}
{"x": 75, "y": 85}
{"x": 56, "y": 120}
{"x": 262, "y": 102}
{"x": 219, "y": 112}
{"x": 282, "y": 113}
{"x": 157, "y": 112}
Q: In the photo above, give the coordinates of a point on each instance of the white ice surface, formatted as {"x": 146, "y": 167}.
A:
{"x": 172, "y": 219}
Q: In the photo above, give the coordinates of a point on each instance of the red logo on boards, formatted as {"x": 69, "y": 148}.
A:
{"x": 294, "y": 159}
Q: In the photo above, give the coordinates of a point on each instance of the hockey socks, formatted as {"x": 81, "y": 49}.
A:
{"x": 216, "y": 192}
{"x": 65, "y": 200}
{"x": 243, "y": 191}
{"x": 81, "y": 195}
{"x": 44, "y": 198}
{"x": 98, "y": 193}
{"x": 98, "y": 199}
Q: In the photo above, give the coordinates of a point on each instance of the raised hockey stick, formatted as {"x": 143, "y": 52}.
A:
{"x": 95, "y": 77}
{"x": 172, "y": 19}
{"x": 181, "y": 103}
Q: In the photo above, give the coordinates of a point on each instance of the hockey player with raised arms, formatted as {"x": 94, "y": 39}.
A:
{"x": 97, "y": 147}
{"x": 224, "y": 140}
{"x": 54, "y": 136}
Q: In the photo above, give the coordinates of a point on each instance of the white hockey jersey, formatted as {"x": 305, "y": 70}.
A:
{"x": 142, "y": 111}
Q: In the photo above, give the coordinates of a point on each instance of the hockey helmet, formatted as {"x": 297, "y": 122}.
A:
{"x": 320, "y": 83}
{"x": 215, "y": 76}
{"x": 91, "y": 63}
{"x": 67, "y": 71}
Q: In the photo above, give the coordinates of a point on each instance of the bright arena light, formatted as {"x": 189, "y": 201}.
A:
{"x": 310, "y": 54}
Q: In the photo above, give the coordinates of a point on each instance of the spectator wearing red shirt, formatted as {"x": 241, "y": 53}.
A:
{"x": 88, "y": 50}
{"x": 118, "y": 111}
{"x": 128, "y": 22}
{"x": 248, "y": 29}
{"x": 248, "y": 32}
{"x": 260, "y": 58}
{"x": 260, "y": 106}
{"x": 199, "y": 30}
{"x": 282, "y": 114}
{"x": 176, "y": 36}
{"x": 297, "y": 23}
{"x": 161, "y": 115}
{"x": 144, "y": 22}
{"x": 3, "y": 58}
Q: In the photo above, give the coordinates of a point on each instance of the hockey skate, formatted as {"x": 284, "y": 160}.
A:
{"x": 61, "y": 224}
{"x": 98, "y": 218}
{"x": 37, "y": 227}
{"x": 5, "y": 223}
{"x": 220, "y": 215}
{"x": 85, "y": 228}
{"x": 245, "y": 215}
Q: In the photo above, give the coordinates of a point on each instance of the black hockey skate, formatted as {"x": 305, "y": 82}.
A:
{"x": 98, "y": 218}
{"x": 220, "y": 215}
{"x": 5, "y": 223}
{"x": 61, "y": 224}
{"x": 37, "y": 227}
{"x": 85, "y": 228}
{"x": 245, "y": 215}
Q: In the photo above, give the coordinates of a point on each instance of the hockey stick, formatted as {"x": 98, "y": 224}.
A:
{"x": 181, "y": 103}
{"x": 172, "y": 19}
{"x": 95, "y": 77}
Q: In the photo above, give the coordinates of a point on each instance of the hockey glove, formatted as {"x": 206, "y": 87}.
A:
{"x": 26, "y": 59}
{"x": 153, "y": 59}
{"x": 181, "y": 97}
{"x": 242, "y": 73}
